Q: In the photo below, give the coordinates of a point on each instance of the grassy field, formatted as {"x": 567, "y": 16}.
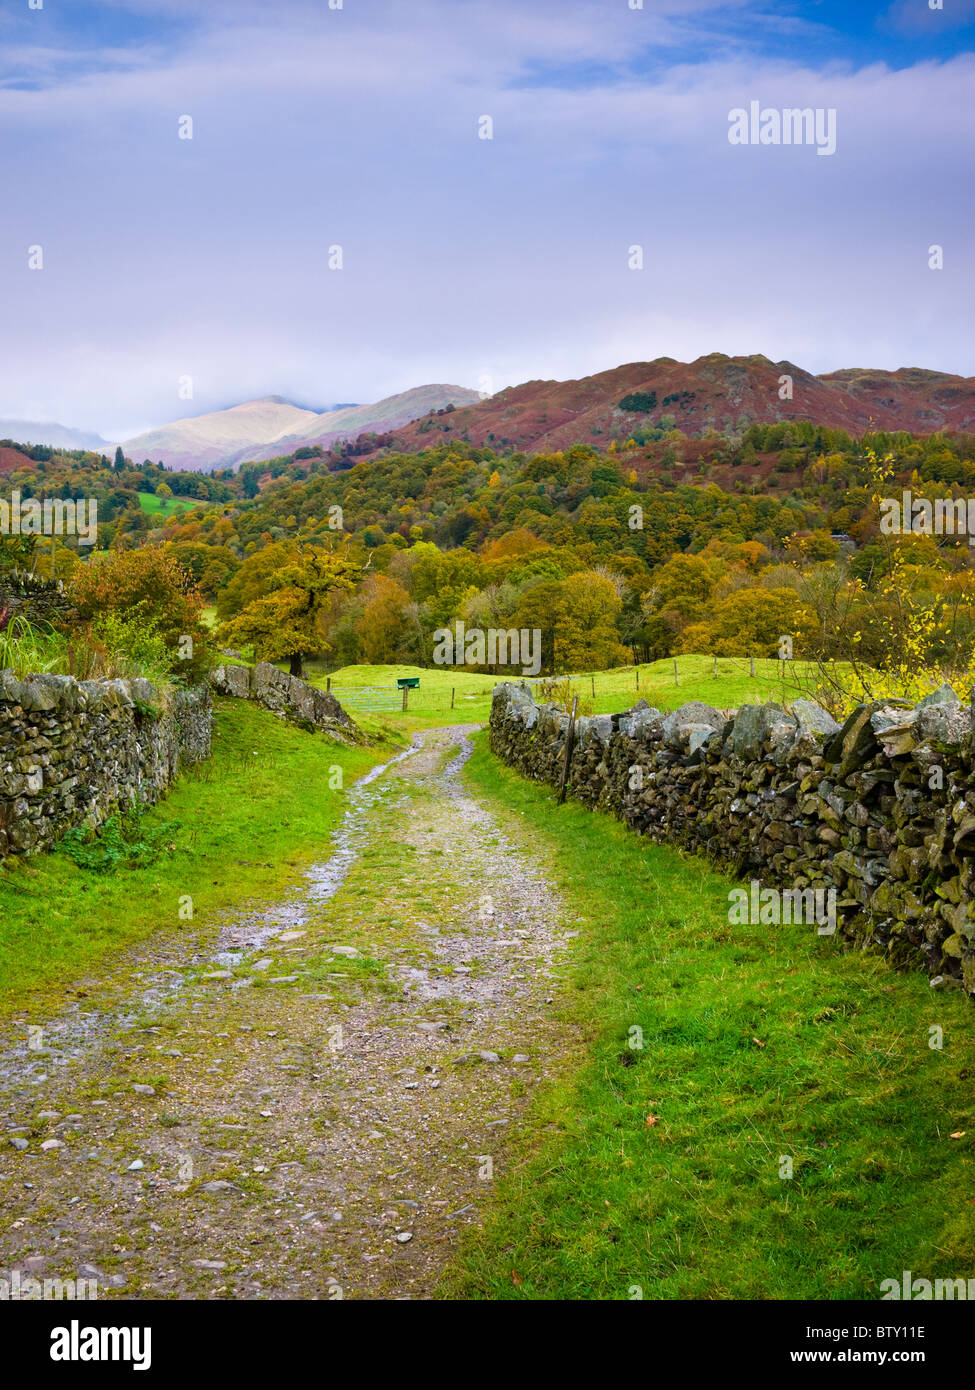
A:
{"x": 615, "y": 690}
{"x": 661, "y": 1167}
{"x": 162, "y": 508}
{"x": 238, "y": 826}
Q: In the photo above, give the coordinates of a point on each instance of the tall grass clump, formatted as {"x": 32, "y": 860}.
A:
{"x": 30, "y": 651}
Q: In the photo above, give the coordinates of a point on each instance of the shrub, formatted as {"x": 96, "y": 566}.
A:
{"x": 639, "y": 401}
{"x": 121, "y": 842}
{"x": 131, "y": 643}
{"x": 155, "y": 585}
{"x": 557, "y": 690}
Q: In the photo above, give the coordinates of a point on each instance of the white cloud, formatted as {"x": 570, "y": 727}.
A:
{"x": 461, "y": 256}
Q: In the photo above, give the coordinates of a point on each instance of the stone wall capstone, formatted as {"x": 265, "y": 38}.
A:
{"x": 74, "y": 751}
{"x": 881, "y": 809}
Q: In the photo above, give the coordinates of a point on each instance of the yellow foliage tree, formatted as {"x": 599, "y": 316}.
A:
{"x": 380, "y": 628}
{"x": 287, "y": 624}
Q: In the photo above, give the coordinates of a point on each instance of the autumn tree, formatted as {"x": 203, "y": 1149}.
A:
{"x": 252, "y": 581}
{"x": 751, "y": 622}
{"x": 153, "y": 585}
{"x": 684, "y": 584}
{"x": 577, "y": 618}
{"x": 440, "y": 580}
{"x": 679, "y": 594}
{"x": 288, "y": 623}
{"x": 210, "y": 565}
{"x": 380, "y": 627}
{"x": 588, "y": 638}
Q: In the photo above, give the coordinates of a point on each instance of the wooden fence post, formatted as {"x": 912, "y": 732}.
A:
{"x": 715, "y": 668}
{"x": 452, "y": 694}
{"x": 328, "y": 684}
{"x": 406, "y": 691}
{"x": 593, "y": 680}
{"x": 569, "y": 736}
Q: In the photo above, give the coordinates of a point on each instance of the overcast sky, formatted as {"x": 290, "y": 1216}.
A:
{"x": 477, "y": 262}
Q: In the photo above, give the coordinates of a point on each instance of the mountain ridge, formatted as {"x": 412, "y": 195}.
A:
{"x": 714, "y": 392}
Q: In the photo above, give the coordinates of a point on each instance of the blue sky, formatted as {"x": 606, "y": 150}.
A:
{"x": 479, "y": 262}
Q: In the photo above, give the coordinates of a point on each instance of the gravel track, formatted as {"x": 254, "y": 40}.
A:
{"x": 327, "y": 1087}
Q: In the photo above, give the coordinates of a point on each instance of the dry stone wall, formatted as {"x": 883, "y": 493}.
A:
{"x": 881, "y": 809}
{"x": 75, "y": 751}
{"x": 29, "y": 596}
{"x": 288, "y": 697}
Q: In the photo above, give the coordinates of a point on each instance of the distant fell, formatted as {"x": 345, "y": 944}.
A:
{"x": 715, "y": 391}
{"x": 265, "y": 428}
{"x": 52, "y": 434}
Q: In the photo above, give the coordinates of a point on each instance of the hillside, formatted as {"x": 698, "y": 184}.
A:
{"x": 272, "y": 426}
{"x": 11, "y": 459}
{"x": 714, "y": 392}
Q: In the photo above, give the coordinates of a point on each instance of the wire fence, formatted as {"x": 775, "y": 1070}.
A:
{"x": 379, "y": 699}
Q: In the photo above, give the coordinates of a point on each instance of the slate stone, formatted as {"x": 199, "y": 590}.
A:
{"x": 678, "y": 725}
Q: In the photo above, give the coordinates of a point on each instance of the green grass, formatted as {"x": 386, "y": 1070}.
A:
{"x": 725, "y": 682}
{"x": 240, "y": 826}
{"x": 758, "y": 1044}
{"x": 29, "y": 651}
{"x": 162, "y": 508}
{"x": 614, "y": 690}
{"x": 429, "y": 705}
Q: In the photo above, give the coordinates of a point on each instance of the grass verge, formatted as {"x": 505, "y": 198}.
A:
{"x": 237, "y": 827}
{"x": 660, "y": 1164}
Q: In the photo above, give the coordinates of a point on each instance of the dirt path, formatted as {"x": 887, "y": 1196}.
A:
{"x": 314, "y": 1103}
